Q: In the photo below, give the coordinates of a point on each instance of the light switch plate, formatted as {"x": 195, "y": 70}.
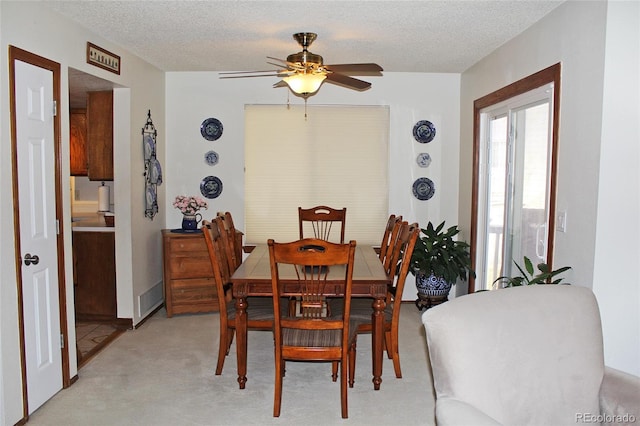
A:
{"x": 561, "y": 224}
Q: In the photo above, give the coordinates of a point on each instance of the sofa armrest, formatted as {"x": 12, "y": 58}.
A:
{"x": 619, "y": 397}
{"x": 455, "y": 412}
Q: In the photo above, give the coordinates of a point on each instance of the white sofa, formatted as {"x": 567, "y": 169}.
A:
{"x": 528, "y": 355}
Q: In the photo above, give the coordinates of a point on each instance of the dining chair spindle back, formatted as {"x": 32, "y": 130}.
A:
{"x": 321, "y": 220}
{"x": 382, "y": 249}
{"x": 389, "y": 248}
{"x": 232, "y": 238}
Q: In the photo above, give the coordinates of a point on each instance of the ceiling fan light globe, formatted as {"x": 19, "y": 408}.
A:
{"x": 305, "y": 83}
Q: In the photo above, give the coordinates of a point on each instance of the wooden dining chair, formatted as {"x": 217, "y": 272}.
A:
{"x": 361, "y": 309}
{"x": 389, "y": 249}
{"x": 312, "y": 336}
{"x": 232, "y": 239}
{"x": 260, "y": 309}
{"x": 321, "y": 220}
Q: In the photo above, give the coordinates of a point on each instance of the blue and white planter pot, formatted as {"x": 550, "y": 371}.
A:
{"x": 431, "y": 285}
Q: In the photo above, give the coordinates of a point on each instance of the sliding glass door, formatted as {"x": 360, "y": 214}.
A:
{"x": 514, "y": 184}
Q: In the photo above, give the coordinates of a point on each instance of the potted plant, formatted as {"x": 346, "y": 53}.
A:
{"x": 545, "y": 276}
{"x": 438, "y": 260}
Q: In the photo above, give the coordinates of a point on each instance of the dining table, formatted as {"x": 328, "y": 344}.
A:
{"x": 253, "y": 278}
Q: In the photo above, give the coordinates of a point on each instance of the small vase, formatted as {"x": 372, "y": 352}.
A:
{"x": 190, "y": 221}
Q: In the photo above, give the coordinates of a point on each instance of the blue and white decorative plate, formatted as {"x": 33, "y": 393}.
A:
{"x": 155, "y": 171}
{"x": 151, "y": 200}
{"x": 211, "y": 187}
{"x": 211, "y": 129}
{"x": 423, "y": 188}
{"x": 424, "y": 131}
{"x": 149, "y": 146}
{"x": 423, "y": 159}
{"x": 211, "y": 158}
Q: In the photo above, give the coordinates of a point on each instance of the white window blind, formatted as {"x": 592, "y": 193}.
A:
{"x": 337, "y": 156}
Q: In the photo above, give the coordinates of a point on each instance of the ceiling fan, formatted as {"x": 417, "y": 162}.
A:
{"x": 304, "y": 72}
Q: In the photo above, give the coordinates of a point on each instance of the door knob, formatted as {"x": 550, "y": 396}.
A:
{"x": 28, "y": 259}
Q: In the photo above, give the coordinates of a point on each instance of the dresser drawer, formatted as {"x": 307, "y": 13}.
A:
{"x": 193, "y": 291}
{"x": 180, "y": 246}
{"x": 194, "y": 265}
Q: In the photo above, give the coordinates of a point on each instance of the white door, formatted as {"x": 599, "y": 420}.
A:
{"x": 38, "y": 231}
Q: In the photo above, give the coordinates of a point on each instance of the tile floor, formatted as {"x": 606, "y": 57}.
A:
{"x": 92, "y": 337}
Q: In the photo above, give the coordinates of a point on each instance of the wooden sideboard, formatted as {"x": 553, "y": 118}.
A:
{"x": 188, "y": 277}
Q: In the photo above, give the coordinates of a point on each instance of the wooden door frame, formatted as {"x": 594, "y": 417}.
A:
{"x": 548, "y": 75}
{"x": 17, "y": 54}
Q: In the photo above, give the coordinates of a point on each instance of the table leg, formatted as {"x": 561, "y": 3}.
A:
{"x": 377, "y": 336}
{"x": 241, "y": 339}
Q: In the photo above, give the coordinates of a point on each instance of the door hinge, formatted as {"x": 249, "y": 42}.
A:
{"x": 55, "y": 108}
{"x": 61, "y": 341}
{"x": 57, "y": 227}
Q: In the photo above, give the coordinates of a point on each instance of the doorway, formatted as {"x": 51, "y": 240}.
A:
{"x": 92, "y": 334}
{"x": 515, "y": 150}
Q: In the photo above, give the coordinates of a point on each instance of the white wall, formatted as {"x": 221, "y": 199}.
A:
{"x": 193, "y": 97}
{"x": 617, "y": 252}
{"x": 32, "y": 27}
{"x": 574, "y": 34}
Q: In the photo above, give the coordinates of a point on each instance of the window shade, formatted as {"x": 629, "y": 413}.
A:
{"x": 337, "y": 156}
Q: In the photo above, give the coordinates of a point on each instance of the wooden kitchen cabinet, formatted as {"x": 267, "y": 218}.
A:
{"x": 78, "y": 141}
{"x": 189, "y": 285}
{"x": 100, "y": 135}
{"x": 94, "y": 259}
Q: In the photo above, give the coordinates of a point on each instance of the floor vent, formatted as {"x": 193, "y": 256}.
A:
{"x": 149, "y": 300}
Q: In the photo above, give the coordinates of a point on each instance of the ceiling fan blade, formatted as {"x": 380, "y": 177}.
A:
{"x": 355, "y": 68}
{"x": 247, "y": 76}
{"x": 284, "y": 69}
{"x": 282, "y": 61}
{"x": 244, "y": 72}
{"x": 350, "y": 82}
{"x": 263, "y": 73}
{"x": 285, "y": 64}
{"x": 277, "y": 59}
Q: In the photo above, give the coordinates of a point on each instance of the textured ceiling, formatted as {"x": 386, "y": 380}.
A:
{"x": 401, "y": 36}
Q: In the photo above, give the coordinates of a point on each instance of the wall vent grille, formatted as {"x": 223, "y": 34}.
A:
{"x": 149, "y": 300}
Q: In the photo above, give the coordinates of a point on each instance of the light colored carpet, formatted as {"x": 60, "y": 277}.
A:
{"x": 163, "y": 374}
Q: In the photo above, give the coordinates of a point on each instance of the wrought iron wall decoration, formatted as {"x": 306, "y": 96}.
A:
{"x": 152, "y": 169}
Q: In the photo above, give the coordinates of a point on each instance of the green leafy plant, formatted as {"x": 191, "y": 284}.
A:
{"x": 545, "y": 276}
{"x": 436, "y": 252}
